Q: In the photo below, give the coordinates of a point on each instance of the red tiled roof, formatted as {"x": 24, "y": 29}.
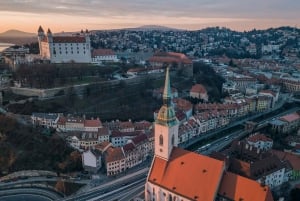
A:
{"x": 259, "y": 137}
{"x": 290, "y": 117}
{"x": 114, "y": 154}
{"x": 128, "y": 147}
{"x": 61, "y": 120}
{"x": 68, "y": 39}
{"x": 140, "y": 138}
{"x": 126, "y": 124}
{"x": 92, "y": 123}
{"x": 235, "y": 187}
{"x": 142, "y": 125}
{"x": 293, "y": 159}
{"x": 188, "y": 174}
{"x": 103, "y": 131}
{"x": 198, "y": 88}
{"x": 102, "y": 52}
{"x": 268, "y": 92}
{"x": 122, "y": 134}
{"x": 101, "y": 146}
{"x": 170, "y": 57}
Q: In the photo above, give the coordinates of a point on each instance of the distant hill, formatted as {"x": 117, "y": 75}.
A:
{"x": 17, "y": 34}
{"x": 154, "y": 27}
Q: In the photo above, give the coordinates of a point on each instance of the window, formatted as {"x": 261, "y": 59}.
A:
{"x": 161, "y": 140}
{"x": 172, "y": 139}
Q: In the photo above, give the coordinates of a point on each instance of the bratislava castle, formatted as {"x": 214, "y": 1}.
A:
{"x": 64, "y": 49}
{"x": 180, "y": 175}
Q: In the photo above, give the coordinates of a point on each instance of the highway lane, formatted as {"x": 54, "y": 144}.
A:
{"x": 126, "y": 192}
{"x": 119, "y": 183}
{"x": 24, "y": 197}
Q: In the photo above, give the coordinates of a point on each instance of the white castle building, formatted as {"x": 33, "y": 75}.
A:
{"x": 64, "y": 49}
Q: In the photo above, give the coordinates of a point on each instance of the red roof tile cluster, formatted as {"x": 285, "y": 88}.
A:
{"x": 103, "y": 145}
{"x": 259, "y": 137}
{"x": 122, "y": 134}
{"x": 102, "y": 52}
{"x": 268, "y": 92}
{"x": 128, "y": 147}
{"x": 69, "y": 39}
{"x": 188, "y": 174}
{"x": 103, "y": 131}
{"x": 139, "y": 139}
{"x": 292, "y": 158}
{"x": 290, "y": 117}
{"x": 142, "y": 125}
{"x": 92, "y": 123}
{"x": 198, "y": 88}
{"x": 235, "y": 187}
{"x": 114, "y": 154}
{"x": 183, "y": 104}
{"x": 170, "y": 57}
{"x": 62, "y": 120}
{"x": 126, "y": 124}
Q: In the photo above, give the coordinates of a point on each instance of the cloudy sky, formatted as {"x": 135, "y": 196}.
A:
{"x": 74, "y": 15}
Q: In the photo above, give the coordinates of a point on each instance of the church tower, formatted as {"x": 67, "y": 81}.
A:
{"x": 41, "y": 36}
{"x": 166, "y": 124}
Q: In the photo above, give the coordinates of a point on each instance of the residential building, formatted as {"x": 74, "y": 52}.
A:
{"x": 91, "y": 160}
{"x": 103, "y": 134}
{"x": 256, "y": 164}
{"x": 286, "y": 123}
{"x": 115, "y": 161}
{"x": 100, "y": 56}
{"x": 260, "y": 141}
{"x": 178, "y": 61}
{"x": 119, "y": 139}
{"x": 198, "y": 91}
{"x": 291, "y": 84}
{"x": 48, "y": 120}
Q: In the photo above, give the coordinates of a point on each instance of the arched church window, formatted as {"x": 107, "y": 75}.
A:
{"x": 161, "y": 140}
{"x": 173, "y": 139}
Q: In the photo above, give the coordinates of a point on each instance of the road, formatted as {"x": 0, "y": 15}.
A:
{"x": 24, "y": 197}
{"x": 26, "y": 194}
{"x": 114, "y": 189}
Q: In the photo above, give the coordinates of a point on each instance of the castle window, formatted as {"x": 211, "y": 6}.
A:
{"x": 161, "y": 140}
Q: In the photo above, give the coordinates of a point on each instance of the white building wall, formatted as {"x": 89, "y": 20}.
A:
{"x": 88, "y": 159}
{"x": 154, "y": 192}
{"x": 66, "y": 52}
{"x": 274, "y": 179}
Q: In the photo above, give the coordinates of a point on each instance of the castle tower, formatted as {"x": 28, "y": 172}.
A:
{"x": 166, "y": 124}
{"x": 41, "y": 36}
{"x": 49, "y": 36}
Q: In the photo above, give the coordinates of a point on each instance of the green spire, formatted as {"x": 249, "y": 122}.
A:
{"x": 166, "y": 115}
{"x": 167, "y": 96}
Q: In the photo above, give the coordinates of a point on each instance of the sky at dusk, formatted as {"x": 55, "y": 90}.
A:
{"x": 74, "y": 15}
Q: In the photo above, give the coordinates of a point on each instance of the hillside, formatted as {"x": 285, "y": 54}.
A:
{"x": 16, "y": 34}
{"x": 25, "y": 148}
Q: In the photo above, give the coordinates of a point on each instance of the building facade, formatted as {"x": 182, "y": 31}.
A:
{"x": 64, "y": 49}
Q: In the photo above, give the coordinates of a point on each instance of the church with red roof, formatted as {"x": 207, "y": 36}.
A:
{"x": 180, "y": 175}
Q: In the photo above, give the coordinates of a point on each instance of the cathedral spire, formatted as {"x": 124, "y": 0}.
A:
{"x": 167, "y": 95}
{"x": 166, "y": 115}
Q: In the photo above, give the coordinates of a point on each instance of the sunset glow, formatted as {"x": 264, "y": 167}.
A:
{"x": 61, "y": 16}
